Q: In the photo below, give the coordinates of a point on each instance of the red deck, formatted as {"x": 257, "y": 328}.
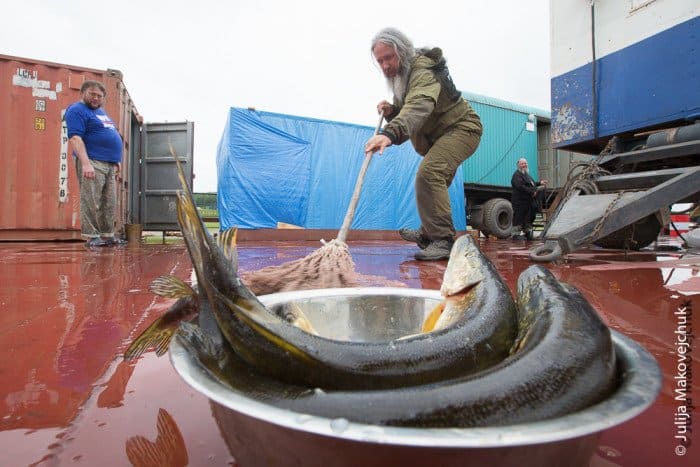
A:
{"x": 69, "y": 313}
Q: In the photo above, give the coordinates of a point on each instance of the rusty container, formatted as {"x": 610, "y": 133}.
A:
{"x": 41, "y": 197}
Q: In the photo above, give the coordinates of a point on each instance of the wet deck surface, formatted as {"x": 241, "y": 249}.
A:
{"x": 68, "y": 313}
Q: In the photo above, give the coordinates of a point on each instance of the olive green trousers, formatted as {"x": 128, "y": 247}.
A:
{"x": 435, "y": 174}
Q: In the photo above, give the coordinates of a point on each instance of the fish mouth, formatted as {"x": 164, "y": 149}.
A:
{"x": 459, "y": 294}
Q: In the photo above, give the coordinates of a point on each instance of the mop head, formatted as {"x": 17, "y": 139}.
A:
{"x": 328, "y": 267}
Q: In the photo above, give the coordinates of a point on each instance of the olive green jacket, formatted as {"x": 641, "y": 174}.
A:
{"x": 432, "y": 105}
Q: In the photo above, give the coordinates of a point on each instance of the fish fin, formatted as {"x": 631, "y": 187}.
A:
{"x": 521, "y": 341}
{"x": 190, "y": 220}
{"x": 228, "y": 243}
{"x": 433, "y": 316}
{"x": 180, "y": 171}
{"x": 158, "y": 335}
{"x": 192, "y": 233}
{"x": 171, "y": 287}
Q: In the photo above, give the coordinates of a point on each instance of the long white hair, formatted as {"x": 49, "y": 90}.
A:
{"x": 403, "y": 47}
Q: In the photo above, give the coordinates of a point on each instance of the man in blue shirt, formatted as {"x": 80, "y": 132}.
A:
{"x": 97, "y": 147}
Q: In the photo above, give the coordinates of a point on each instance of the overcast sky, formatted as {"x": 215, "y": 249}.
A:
{"x": 193, "y": 60}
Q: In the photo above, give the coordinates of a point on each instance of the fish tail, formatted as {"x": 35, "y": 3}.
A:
{"x": 206, "y": 255}
{"x": 199, "y": 250}
{"x": 168, "y": 448}
{"x": 171, "y": 287}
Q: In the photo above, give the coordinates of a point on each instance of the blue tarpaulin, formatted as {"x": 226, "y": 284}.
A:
{"x": 280, "y": 168}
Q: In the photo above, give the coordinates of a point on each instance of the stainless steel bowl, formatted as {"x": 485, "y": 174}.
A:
{"x": 262, "y": 434}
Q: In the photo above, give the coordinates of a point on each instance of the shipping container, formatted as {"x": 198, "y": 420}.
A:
{"x": 510, "y": 133}
{"x": 41, "y": 198}
{"x": 620, "y": 68}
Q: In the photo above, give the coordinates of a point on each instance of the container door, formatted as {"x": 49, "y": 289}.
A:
{"x": 154, "y": 174}
{"x": 546, "y": 157}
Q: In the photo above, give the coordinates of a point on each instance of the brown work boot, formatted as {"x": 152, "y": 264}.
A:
{"x": 436, "y": 251}
{"x": 414, "y": 236}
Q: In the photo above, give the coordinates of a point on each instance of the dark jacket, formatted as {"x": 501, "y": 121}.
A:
{"x": 523, "y": 199}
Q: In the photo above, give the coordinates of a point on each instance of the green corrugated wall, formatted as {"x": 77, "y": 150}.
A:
{"x": 506, "y": 139}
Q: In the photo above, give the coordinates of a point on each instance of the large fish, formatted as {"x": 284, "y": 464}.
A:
{"x": 562, "y": 361}
{"x": 481, "y": 328}
{"x": 481, "y": 314}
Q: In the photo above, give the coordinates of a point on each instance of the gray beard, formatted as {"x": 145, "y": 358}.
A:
{"x": 524, "y": 171}
{"x": 399, "y": 84}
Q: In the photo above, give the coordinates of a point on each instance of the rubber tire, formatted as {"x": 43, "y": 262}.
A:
{"x": 498, "y": 218}
{"x": 476, "y": 218}
{"x": 546, "y": 252}
{"x": 645, "y": 231}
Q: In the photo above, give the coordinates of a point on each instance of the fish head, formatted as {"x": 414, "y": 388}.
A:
{"x": 464, "y": 268}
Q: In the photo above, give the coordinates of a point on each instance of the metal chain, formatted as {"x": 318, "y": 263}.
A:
{"x": 588, "y": 239}
{"x": 585, "y": 182}
{"x": 590, "y": 173}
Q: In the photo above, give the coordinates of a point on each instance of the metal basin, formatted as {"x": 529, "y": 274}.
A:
{"x": 262, "y": 434}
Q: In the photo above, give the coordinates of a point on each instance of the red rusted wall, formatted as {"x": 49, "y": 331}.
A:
{"x": 33, "y": 97}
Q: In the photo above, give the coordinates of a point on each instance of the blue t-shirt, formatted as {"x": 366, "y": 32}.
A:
{"x": 98, "y": 131}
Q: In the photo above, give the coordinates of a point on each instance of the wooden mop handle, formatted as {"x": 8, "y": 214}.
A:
{"x": 350, "y": 213}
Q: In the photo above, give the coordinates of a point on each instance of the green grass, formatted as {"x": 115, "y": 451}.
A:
{"x": 213, "y": 227}
{"x": 158, "y": 240}
{"x": 207, "y": 212}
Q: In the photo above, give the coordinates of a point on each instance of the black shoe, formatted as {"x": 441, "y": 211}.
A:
{"x": 436, "y": 251}
{"x": 96, "y": 242}
{"x": 114, "y": 241}
{"x": 518, "y": 237}
{"x": 414, "y": 236}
